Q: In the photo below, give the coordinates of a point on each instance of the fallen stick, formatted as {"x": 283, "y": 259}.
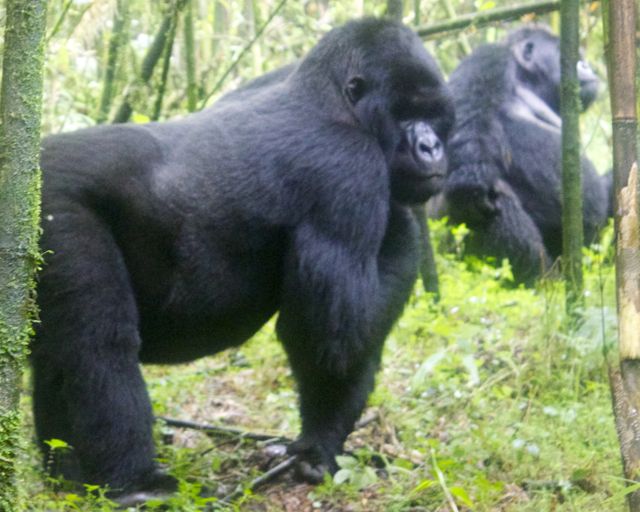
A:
{"x": 256, "y": 436}
{"x": 266, "y": 477}
{"x": 226, "y": 431}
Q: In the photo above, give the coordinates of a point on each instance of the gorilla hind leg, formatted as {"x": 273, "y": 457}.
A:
{"x": 52, "y": 420}
{"x": 88, "y": 388}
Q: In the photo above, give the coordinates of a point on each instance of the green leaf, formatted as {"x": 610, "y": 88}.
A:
{"x": 403, "y": 463}
{"x": 346, "y": 462}
{"x": 425, "y": 484}
{"x": 462, "y": 495}
{"x": 57, "y": 444}
{"x": 140, "y": 118}
{"x": 342, "y": 476}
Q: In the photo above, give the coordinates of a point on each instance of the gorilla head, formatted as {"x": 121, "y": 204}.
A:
{"x": 375, "y": 81}
{"x": 535, "y": 52}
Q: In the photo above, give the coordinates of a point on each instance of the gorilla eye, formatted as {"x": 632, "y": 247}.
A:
{"x": 527, "y": 53}
{"x": 355, "y": 89}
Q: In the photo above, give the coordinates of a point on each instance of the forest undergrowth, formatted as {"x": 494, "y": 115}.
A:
{"x": 487, "y": 400}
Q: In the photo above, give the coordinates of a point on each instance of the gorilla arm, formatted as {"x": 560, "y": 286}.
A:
{"x": 351, "y": 267}
{"x": 511, "y": 233}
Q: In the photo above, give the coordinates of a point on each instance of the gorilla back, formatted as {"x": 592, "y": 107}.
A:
{"x": 171, "y": 241}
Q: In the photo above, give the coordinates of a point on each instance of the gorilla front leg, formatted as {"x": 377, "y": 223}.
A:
{"x": 330, "y": 405}
{"x": 333, "y": 325}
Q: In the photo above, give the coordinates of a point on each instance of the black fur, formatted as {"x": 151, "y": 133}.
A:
{"x": 505, "y": 152}
{"x": 172, "y": 241}
{"x": 427, "y": 265}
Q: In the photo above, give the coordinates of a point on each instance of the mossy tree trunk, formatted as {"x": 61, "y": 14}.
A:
{"x": 619, "y": 23}
{"x": 572, "y": 227}
{"x": 20, "y": 111}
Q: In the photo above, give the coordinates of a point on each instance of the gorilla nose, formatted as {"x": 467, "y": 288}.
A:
{"x": 429, "y": 148}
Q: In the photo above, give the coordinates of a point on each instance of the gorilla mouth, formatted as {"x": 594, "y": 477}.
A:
{"x": 588, "y": 92}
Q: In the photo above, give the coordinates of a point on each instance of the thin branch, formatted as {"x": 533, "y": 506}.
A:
{"x": 116, "y": 41}
{"x": 59, "y": 21}
{"x": 443, "y": 483}
{"x": 225, "y": 431}
{"x": 464, "y": 44}
{"x": 248, "y": 46}
{"x": 284, "y": 466}
{"x": 256, "y": 436}
{"x": 479, "y": 19}
{"x": 266, "y": 477}
{"x": 190, "y": 58}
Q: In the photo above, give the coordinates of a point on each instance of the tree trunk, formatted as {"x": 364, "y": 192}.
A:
{"x": 20, "y": 111}
{"x": 572, "y": 226}
{"x": 619, "y": 23}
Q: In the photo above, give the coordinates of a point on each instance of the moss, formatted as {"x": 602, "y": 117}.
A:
{"x": 9, "y": 445}
{"x": 20, "y": 111}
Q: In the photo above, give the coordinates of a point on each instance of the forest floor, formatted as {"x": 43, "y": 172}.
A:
{"x": 486, "y": 401}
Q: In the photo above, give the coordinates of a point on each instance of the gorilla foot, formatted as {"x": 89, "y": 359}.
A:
{"x": 313, "y": 461}
{"x": 157, "y": 486}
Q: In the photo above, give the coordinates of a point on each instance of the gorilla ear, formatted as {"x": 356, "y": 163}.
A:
{"x": 355, "y": 89}
{"x": 523, "y": 52}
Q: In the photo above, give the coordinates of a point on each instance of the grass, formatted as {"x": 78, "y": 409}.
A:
{"x": 486, "y": 401}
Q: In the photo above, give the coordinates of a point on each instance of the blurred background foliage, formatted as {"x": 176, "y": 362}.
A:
{"x": 80, "y": 32}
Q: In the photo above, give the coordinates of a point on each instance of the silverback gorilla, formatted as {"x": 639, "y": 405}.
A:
{"x": 172, "y": 241}
{"x": 505, "y": 152}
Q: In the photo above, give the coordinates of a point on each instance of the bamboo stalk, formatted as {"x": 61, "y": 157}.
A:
{"x": 151, "y": 59}
{"x": 572, "y": 226}
{"x": 116, "y": 41}
{"x": 190, "y": 58}
{"x": 166, "y": 62}
{"x": 619, "y": 24}
{"x": 479, "y": 19}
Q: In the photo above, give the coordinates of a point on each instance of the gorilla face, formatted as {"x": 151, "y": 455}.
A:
{"x": 536, "y": 52}
{"x": 419, "y": 167}
{"x": 407, "y": 107}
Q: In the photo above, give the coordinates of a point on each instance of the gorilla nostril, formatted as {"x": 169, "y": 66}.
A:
{"x": 431, "y": 149}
